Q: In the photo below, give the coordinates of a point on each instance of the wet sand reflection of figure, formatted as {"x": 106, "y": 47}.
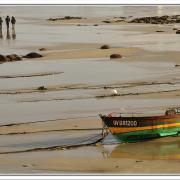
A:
{"x": 8, "y": 36}
{"x": 1, "y": 35}
{"x": 1, "y": 21}
{"x": 13, "y": 33}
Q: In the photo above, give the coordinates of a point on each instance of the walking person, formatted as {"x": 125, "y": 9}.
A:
{"x": 7, "y": 25}
{"x": 13, "y": 22}
{"x": 7, "y": 21}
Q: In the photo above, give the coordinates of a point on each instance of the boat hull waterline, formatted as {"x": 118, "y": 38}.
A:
{"x": 132, "y": 129}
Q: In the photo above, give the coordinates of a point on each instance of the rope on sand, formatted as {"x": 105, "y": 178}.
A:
{"x": 53, "y": 130}
{"x": 98, "y": 138}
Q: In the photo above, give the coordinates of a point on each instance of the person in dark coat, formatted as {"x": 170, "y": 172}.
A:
{"x": 13, "y": 22}
{"x": 7, "y": 21}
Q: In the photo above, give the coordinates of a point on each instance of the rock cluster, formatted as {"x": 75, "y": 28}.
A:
{"x": 15, "y": 57}
{"x": 9, "y": 58}
{"x": 157, "y": 20}
{"x": 64, "y": 18}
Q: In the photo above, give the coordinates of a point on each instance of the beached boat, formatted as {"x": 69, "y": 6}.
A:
{"x": 135, "y": 127}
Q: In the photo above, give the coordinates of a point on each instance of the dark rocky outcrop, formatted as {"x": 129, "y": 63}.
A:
{"x": 157, "y": 19}
{"x": 112, "y": 56}
{"x": 105, "y": 47}
{"x": 32, "y": 55}
{"x": 64, "y": 18}
{"x": 177, "y": 65}
{"x": 71, "y": 17}
{"x": 15, "y": 57}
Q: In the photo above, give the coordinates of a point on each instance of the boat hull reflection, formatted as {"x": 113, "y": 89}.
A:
{"x": 164, "y": 148}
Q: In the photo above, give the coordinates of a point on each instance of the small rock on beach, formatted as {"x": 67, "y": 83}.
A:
{"x": 178, "y": 32}
{"x": 32, "y": 55}
{"x": 42, "y": 49}
{"x": 105, "y": 47}
{"x": 174, "y": 29}
{"x": 41, "y": 88}
{"x": 106, "y": 21}
{"x": 159, "y": 31}
{"x": 112, "y": 56}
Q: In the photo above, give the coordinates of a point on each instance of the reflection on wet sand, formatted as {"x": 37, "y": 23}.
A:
{"x": 1, "y": 35}
{"x": 13, "y": 33}
{"x": 165, "y": 148}
{"x": 8, "y": 36}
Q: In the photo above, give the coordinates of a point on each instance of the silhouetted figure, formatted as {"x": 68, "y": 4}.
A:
{"x": 13, "y": 33}
{"x": 1, "y": 22}
{"x": 8, "y": 36}
{"x": 7, "y": 22}
{"x": 13, "y": 22}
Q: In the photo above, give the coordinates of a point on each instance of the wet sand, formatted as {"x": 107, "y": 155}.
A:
{"x": 147, "y": 158}
{"x": 89, "y": 53}
{"x": 56, "y": 130}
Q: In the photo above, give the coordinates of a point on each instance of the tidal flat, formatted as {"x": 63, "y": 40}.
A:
{"x": 50, "y": 106}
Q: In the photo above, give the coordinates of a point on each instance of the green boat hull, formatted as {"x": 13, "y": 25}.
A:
{"x": 146, "y": 134}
